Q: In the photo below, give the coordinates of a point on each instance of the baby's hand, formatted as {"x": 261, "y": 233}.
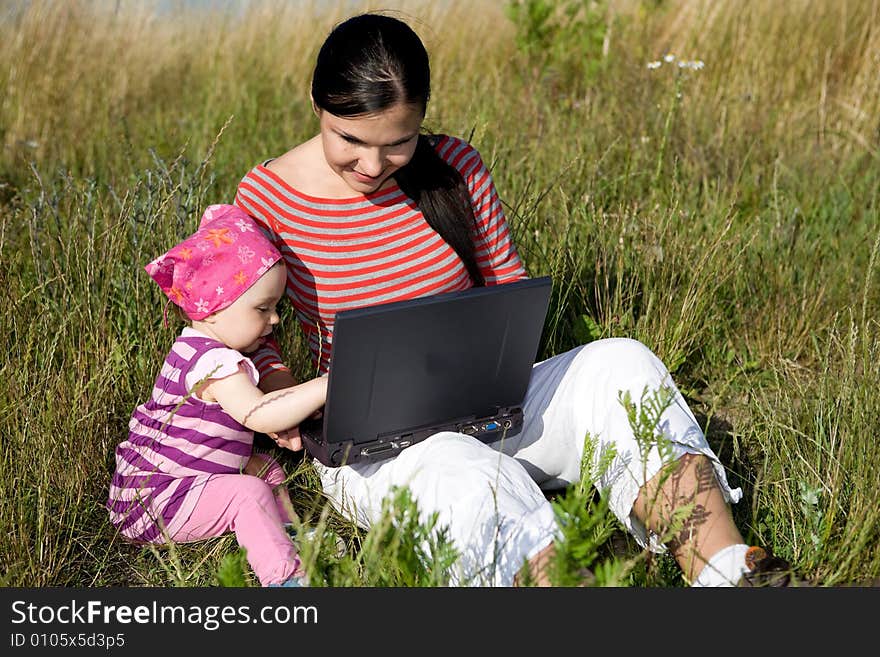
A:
{"x": 288, "y": 439}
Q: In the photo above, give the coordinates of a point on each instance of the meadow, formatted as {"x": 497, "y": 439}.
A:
{"x": 700, "y": 175}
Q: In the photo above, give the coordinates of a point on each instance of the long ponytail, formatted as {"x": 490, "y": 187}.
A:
{"x": 442, "y": 195}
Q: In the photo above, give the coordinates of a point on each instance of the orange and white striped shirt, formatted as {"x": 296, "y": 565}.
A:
{"x": 372, "y": 249}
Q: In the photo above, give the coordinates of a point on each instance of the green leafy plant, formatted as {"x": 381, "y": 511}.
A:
{"x": 233, "y": 569}
{"x": 585, "y": 525}
{"x": 565, "y": 38}
{"x": 403, "y": 549}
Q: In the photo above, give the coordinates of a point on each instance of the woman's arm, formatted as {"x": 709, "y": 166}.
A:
{"x": 274, "y": 374}
{"x": 276, "y": 380}
{"x": 496, "y": 254}
{"x": 267, "y": 412}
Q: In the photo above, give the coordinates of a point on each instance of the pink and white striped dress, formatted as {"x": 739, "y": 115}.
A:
{"x": 177, "y": 442}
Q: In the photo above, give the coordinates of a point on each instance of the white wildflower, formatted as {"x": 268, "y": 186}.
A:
{"x": 694, "y": 64}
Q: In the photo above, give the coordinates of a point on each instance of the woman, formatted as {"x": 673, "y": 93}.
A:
{"x": 369, "y": 211}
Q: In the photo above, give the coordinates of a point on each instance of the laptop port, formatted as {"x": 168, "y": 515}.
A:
{"x": 491, "y": 426}
{"x": 469, "y": 429}
{"x": 378, "y": 449}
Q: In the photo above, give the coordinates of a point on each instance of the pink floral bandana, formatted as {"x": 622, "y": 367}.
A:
{"x": 215, "y": 265}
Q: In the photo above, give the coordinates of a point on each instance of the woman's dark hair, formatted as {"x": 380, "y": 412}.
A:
{"x": 370, "y": 63}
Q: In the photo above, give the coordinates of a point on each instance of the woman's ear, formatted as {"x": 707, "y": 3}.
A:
{"x": 315, "y": 108}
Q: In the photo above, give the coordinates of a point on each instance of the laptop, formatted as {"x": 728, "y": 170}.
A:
{"x": 403, "y": 371}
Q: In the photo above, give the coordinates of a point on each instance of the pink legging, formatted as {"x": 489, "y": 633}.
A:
{"x": 246, "y": 505}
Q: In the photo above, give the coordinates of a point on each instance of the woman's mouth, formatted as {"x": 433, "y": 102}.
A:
{"x": 364, "y": 178}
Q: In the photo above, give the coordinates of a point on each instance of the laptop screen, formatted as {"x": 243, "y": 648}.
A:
{"x": 429, "y": 361}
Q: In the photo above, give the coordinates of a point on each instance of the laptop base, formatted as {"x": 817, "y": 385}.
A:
{"x": 507, "y": 422}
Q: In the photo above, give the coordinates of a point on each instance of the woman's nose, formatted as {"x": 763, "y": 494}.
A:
{"x": 371, "y": 162}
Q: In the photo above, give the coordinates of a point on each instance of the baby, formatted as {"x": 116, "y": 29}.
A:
{"x": 187, "y": 470}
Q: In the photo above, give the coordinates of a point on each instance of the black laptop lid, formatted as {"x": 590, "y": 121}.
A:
{"x": 425, "y": 361}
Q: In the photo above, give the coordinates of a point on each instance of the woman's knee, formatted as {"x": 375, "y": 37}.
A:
{"x": 620, "y": 363}
{"x": 621, "y": 353}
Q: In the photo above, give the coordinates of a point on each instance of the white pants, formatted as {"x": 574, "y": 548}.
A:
{"x": 489, "y": 496}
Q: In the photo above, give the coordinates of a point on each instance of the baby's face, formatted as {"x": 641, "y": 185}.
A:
{"x": 244, "y": 323}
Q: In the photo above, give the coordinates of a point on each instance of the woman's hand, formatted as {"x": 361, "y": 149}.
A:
{"x": 255, "y": 466}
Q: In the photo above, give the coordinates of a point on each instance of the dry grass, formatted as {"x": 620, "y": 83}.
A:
{"x": 726, "y": 216}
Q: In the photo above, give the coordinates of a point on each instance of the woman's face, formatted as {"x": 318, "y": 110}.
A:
{"x": 364, "y": 151}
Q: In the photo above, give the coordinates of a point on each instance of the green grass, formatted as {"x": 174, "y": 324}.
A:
{"x": 727, "y": 217}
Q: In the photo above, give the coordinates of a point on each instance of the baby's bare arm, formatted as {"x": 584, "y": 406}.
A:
{"x": 267, "y": 412}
